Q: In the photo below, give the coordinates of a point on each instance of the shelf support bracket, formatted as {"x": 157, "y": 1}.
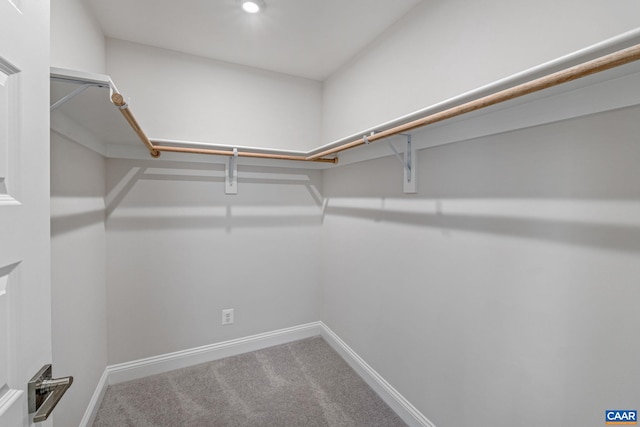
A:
{"x": 73, "y": 93}
{"x": 409, "y": 165}
{"x": 231, "y": 174}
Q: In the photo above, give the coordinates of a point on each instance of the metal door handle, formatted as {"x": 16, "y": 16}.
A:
{"x": 45, "y": 392}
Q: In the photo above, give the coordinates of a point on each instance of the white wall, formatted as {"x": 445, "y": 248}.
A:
{"x": 78, "y": 239}
{"x": 504, "y": 291}
{"x": 185, "y": 97}
{"x": 487, "y": 298}
{"x": 444, "y": 48}
{"x": 179, "y": 251}
{"x": 77, "y": 42}
{"x": 78, "y": 276}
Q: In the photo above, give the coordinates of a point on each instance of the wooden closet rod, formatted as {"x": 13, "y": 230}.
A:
{"x": 594, "y": 66}
{"x": 597, "y": 65}
{"x": 241, "y": 154}
{"x": 155, "y": 150}
{"x": 119, "y": 101}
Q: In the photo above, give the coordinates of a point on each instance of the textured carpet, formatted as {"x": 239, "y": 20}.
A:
{"x": 304, "y": 383}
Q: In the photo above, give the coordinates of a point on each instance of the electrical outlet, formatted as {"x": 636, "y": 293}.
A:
{"x": 227, "y": 317}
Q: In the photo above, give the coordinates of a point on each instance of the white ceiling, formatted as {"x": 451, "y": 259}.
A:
{"x": 306, "y": 38}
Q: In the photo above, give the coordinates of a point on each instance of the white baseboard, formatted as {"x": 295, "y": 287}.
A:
{"x": 122, "y": 372}
{"x": 181, "y": 359}
{"x": 390, "y": 395}
{"x": 96, "y": 400}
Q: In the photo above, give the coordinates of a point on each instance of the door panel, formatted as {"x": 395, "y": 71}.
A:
{"x": 10, "y": 398}
{"x": 9, "y": 126}
{"x": 25, "y": 299}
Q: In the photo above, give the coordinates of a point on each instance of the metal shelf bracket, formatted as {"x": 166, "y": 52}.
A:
{"x": 77, "y": 91}
{"x": 231, "y": 174}
{"x": 409, "y": 165}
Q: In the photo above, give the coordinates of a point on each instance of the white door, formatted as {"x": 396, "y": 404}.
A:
{"x": 25, "y": 300}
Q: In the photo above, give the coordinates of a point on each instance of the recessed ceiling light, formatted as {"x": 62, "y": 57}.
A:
{"x": 253, "y": 6}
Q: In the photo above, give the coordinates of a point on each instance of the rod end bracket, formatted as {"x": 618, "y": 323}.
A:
{"x": 118, "y": 100}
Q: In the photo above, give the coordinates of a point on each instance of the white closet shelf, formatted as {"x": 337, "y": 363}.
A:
{"x": 606, "y": 74}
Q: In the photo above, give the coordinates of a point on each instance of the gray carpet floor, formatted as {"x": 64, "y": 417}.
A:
{"x": 304, "y": 383}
